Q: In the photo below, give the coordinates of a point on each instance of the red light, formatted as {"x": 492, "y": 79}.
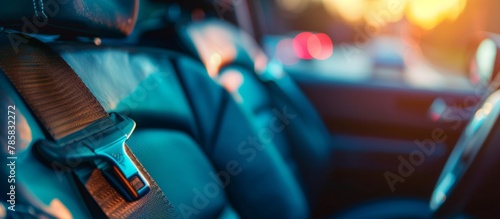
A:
{"x": 320, "y": 46}
{"x": 300, "y": 45}
{"x": 308, "y": 46}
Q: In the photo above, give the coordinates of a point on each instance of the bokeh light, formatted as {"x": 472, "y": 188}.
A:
{"x": 307, "y": 45}
{"x": 320, "y": 46}
{"x": 429, "y": 13}
{"x": 300, "y": 45}
{"x": 349, "y": 10}
{"x": 485, "y": 58}
{"x": 285, "y": 52}
{"x": 425, "y": 14}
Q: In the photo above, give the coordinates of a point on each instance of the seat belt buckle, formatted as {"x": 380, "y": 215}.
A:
{"x": 102, "y": 144}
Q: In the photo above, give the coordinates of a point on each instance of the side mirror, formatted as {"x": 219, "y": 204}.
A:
{"x": 484, "y": 62}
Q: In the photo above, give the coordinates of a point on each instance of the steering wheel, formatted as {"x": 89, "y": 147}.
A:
{"x": 472, "y": 161}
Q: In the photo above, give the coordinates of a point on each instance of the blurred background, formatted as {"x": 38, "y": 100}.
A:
{"x": 416, "y": 41}
{"x": 444, "y": 25}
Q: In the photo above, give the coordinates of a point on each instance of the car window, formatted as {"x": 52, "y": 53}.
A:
{"x": 419, "y": 41}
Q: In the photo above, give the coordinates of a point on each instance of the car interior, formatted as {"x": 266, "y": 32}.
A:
{"x": 236, "y": 109}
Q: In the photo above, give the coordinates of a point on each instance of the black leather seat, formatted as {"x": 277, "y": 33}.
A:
{"x": 266, "y": 94}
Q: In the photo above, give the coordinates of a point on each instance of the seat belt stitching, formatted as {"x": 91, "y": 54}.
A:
{"x": 42, "y": 10}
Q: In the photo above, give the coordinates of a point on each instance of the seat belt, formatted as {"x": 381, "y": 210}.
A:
{"x": 86, "y": 140}
{"x": 284, "y": 91}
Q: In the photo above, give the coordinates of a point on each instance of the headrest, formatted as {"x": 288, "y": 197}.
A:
{"x": 219, "y": 44}
{"x": 98, "y": 18}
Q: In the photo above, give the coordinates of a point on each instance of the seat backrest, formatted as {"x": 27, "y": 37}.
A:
{"x": 267, "y": 95}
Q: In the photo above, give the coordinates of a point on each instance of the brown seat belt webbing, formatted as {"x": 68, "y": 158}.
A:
{"x": 73, "y": 116}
